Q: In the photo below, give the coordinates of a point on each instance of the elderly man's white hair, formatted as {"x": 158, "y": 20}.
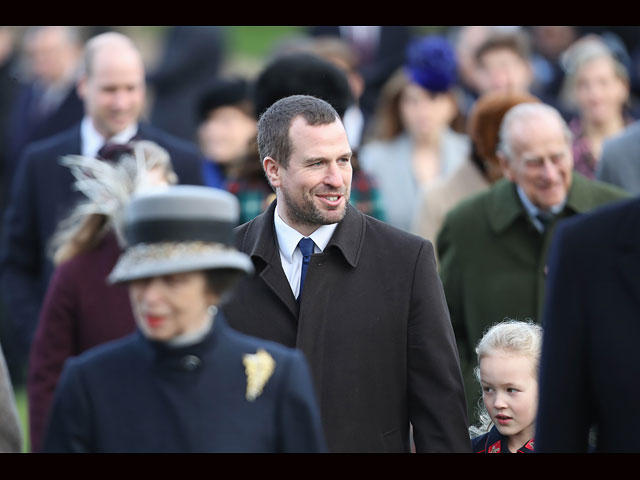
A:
{"x": 527, "y": 111}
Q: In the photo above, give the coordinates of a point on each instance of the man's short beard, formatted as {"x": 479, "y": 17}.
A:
{"x": 306, "y": 213}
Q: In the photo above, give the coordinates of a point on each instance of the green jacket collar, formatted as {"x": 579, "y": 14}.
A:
{"x": 505, "y": 205}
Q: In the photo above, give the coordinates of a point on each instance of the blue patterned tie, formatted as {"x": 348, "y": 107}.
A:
{"x": 306, "y": 247}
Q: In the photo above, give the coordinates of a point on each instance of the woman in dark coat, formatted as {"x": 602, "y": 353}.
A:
{"x": 184, "y": 381}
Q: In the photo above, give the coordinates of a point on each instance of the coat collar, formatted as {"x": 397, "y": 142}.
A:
{"x": 260, "y": 240}
{"x": 505, "y": 206}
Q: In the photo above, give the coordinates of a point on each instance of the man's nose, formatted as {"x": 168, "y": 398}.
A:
{"x": 333, "y": 175}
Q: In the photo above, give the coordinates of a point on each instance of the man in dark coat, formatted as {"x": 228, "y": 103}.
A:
{"x": 493, "y": 246}
{"x": 372, "y": 318}
{"x": 589, "y": 371}
{"x": 113, "y": 89}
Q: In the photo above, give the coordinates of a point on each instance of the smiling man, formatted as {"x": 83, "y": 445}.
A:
{"x": 372, "y": 318}
{"x": 493, "y": 246}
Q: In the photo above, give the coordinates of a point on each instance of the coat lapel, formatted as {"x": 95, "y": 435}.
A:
{"x": 261, "y": 244}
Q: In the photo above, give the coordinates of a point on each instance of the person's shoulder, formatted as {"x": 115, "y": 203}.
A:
{"x": 389, "y": 234}
{"x": 119, "y": 350}
{"x": 65, "y": 142}
{"x": 168, "y": 140}
{"x": 593, "y": 192}
{"x": 605, "y": 219}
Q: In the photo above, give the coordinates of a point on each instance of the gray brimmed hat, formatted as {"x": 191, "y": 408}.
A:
{"x": 177, "y": 229}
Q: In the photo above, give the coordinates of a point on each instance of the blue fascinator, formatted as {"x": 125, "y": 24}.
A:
{"x": 431, "y": 63}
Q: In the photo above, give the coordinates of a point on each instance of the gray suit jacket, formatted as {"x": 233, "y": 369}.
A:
{"x": 620, "y": 160}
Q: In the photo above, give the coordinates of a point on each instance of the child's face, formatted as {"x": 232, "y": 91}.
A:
{"x": 510, "y": 393}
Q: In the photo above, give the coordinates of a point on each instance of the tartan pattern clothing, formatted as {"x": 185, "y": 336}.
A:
{"x": 494, "y": 442}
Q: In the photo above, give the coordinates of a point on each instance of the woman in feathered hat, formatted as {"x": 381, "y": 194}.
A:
{"x": 414, "y": 142}
{"x": 184, "y": 381}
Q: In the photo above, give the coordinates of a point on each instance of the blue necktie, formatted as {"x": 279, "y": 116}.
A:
{"x": 306, "y": 247}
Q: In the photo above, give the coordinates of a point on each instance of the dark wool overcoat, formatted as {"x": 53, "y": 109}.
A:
{"x": 374, "y": 326}
{"x": 138, "y": 396}
{"x": 589, "y": 369}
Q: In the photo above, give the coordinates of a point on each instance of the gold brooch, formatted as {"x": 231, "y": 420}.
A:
{"x": 259, "y": 368}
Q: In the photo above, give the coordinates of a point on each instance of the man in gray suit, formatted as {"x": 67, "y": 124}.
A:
{"x": 620, "y": 160}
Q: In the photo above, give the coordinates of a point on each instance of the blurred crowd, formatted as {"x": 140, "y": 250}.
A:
{"x": 434, "y": 153}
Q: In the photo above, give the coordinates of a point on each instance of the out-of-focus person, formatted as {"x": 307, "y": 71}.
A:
{"x": 414, "y": 143}
{"x": 80, "y": 309}
{"x": 620, "y": 160}
{"x": 597, "y": 91}
{"x": 191, "y": 57}
{"x": 112, "y": 87}
{"x": 478, "y": 172}
{"x": 47, "y": 101}
{"x": 591, "y": 335}
{"x": 184, "y": 381}
{"x": 226, "y": 128}
{"x": 380, "y": 50}
{"x": 493, "y": 245}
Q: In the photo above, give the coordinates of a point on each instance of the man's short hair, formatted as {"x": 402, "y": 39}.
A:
{"x": 527, "y": 110}
{"x": 275, "y": 122}
{"x": 516, "y": 41}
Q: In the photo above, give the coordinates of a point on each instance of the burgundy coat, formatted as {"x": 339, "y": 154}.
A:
{"x": 80, "y": 310}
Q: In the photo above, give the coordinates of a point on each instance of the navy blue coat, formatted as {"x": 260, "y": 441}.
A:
{"x": 136, "y": 395}
{"x": 589, "y": 368}
{"x": 42, "y": 194}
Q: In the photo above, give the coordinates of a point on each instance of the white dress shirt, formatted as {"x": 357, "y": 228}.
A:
{"x": 92, "y": 140}
{"x": 290, "y": 254}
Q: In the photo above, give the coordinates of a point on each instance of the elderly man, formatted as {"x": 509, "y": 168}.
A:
{"x": 369, "y": 313}
{"x": 112, "y": 86}
{"x": 493, "y": 246}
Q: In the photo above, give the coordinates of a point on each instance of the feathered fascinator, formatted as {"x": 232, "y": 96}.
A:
{"x": 108, "y": 186}
{"x": 431, "y": 63}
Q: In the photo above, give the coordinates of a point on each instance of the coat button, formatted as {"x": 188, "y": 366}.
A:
{"x": 190, "y": 362}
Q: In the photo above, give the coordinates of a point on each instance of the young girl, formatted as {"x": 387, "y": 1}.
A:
{"x": 508, "y": 359}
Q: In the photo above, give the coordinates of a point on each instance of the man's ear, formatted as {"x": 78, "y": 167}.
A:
{"x": 505, "y": 165}
{"x": 81, "y": 86}
{"x": 272, "y": 171}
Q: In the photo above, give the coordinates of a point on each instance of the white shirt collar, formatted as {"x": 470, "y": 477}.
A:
{"x": 289, "y": 237}
{"x": 92, "y": 140}
{"x": 532, "y": 210}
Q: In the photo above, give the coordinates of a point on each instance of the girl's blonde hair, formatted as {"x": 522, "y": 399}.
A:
{"x": 513, "y": 336}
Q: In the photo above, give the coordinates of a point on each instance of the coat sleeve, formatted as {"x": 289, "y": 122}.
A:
{"x": 437, "y": 408}
{"x": 52, "y": 345}
{"x": 69, "y": 429}
{"x": 563, "y": 352}
{"x": 301, "y": 425}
